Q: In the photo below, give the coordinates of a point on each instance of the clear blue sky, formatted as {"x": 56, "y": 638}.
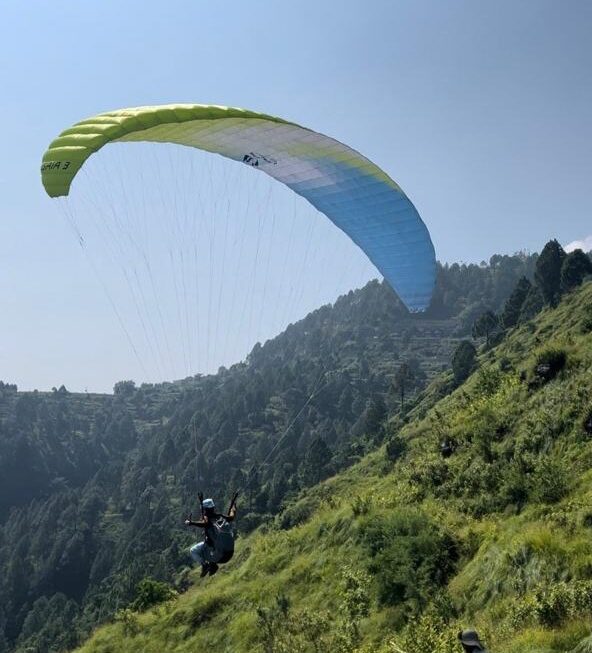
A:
{"x": 481, "y": 111}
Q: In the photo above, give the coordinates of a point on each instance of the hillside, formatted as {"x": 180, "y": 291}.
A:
{"x": 92, "y": 487}
{"x": 399, "y": 551}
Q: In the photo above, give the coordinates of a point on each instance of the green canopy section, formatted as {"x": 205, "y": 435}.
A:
{"x": 68, "y": 152}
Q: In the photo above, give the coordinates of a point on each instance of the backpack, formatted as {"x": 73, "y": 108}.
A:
{"x": 221, "y": 537}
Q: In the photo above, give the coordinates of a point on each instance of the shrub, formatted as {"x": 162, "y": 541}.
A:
{"x": 150, "y": 592}
{"x": 412, "y": 557}
{"x": 395, "y": 447}
{"x": 549, "y": 363}
{"x": 296, "y": 514}
{"x": 551, "y": 605}
{"x": 562, "y": 601}
{"x": 549, "y": 482}
{"x": 129, "y": 622}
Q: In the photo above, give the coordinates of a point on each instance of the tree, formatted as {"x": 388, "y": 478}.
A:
{"x": 375, "y": 416}
{"x": 463, "y": 361}
{"x": 533, "y": 304}
{"x": 316, "y": 460}
{"x": 484, "y": 325}
{"x": 513, "y": 306}
{"x": 403, "y": 378}
{"x": 547, "y": 272}
{"x": 124, "y": 388}
{"x": 575, "y": 267}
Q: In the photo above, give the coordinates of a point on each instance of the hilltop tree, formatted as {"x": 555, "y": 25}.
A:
{"x": 576, "y": 266}
{"x": 548, "y": 271}
{"x": 124, "y": 388}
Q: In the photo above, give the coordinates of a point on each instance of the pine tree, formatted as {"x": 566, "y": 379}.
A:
{"x": 533, "y": 304}
{"x": 463, "y": 361}
{"x": 316, "y": 460}
{"x": 513, "y": 306}
{"x": 375, "y": 416}
{"x": 576, "y": 266}
{"x": 548, "y": 272}
{"x": 484, "y": 325}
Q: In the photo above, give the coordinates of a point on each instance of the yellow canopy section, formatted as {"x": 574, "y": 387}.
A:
{"x": 67, "y": 153}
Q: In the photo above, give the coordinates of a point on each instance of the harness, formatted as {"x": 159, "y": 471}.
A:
{"x": 219, "y": 536}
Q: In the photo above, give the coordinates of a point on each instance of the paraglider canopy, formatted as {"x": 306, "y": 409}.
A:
{"x": 354, "y": 193}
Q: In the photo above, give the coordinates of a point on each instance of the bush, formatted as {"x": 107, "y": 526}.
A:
{"x": 550, "y": 482}
{"x": 395, "y": 447}
{"x": 129, "y": 621}
{"x": 549, "y": 363}
{"x": 563, "y": 601}
{"x": 412, "y": 557}
{"x": 150, "y": 592}
{"x": 296, "y": 514}
{"x": 550, "y": 606}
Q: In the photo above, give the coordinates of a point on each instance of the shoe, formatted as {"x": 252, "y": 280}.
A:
{"x": 213, "y": 567}
{"x": 204, "y": 570}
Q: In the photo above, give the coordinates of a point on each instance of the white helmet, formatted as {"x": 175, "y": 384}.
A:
{"x": 208, "y": 503}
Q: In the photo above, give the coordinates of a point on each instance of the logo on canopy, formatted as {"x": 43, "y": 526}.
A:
{"x": 255, "y": 160}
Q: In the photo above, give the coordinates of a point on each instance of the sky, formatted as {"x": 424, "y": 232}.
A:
{"x": 480, "y": 111}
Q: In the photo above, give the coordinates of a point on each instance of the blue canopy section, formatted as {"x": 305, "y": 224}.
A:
{"x": 383, "y": 222}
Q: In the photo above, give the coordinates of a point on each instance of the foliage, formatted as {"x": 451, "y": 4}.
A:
{"x": 548, "y": 271}
{"x": 532, "y": 305}
{"x": 484, "y": 325}
{"x": 513, "y": 306}
{"x": 574, "y": 269}
{"x": 129, "y": 622}
{"x": 549, "y": 362}
{"x": 285, "y": 630}
{"x": 395, "y": 447}
{"x": 463, "y": 361}
{"x": 149, "y": 593}
{"x": 411, "y": 557}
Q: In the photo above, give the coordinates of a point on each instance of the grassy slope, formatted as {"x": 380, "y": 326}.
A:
{"x": 507, "y": 556}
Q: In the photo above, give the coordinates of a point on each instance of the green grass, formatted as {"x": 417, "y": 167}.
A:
{"x": 516, "y": 499}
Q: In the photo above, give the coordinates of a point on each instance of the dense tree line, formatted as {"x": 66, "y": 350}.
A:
{"x": 555, "y": 273}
